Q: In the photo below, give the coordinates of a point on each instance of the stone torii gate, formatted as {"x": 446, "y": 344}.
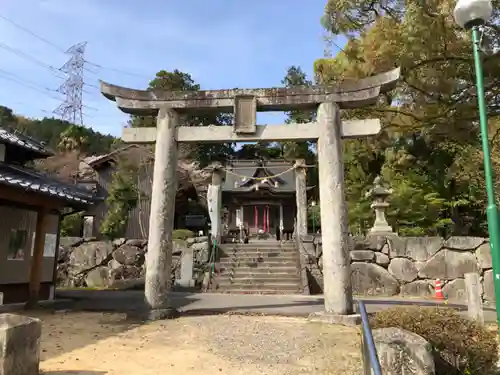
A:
{"x": 328, "y": 130}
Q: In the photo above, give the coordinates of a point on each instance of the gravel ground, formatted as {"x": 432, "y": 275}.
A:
{"x": 98, "y": 344}
{"x": 291, "y": 345}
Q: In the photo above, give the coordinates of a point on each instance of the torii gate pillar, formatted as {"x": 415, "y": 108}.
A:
{"x": 328, "y": 131}
{"x": 161, "y": 220}
{"x": 337, "y": 289}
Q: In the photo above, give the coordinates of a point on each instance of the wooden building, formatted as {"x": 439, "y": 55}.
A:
{"x": 261, "y": 196}
{"x": 31, "y": 207}
{"x": 96, "y": 173}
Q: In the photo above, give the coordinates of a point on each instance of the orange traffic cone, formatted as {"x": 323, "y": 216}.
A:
{"x": 438, "y": 293}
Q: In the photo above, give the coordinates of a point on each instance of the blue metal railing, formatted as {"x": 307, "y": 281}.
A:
{"x": 370, "y": 357}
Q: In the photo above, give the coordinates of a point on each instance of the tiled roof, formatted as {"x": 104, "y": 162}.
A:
{"x": 252, "y": 168}
{"x": 31, "y": 180}
{"x": 22, "y": 141}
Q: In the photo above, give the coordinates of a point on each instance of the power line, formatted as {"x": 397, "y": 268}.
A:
{"x": 55, "y": 71}
{"x": 20, "y": 82}
{"x": 117, "y": 70}
{"x": 27, "y": 81}
{"x": 33, "y": 86}
{"x": 60, "y": 49}
{"x": 32, "y": 34}
{"x": 28, "y": 86}
{"x": 23, "y": 55}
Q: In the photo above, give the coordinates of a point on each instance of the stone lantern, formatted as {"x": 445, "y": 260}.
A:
{"x": 379, "y": 194}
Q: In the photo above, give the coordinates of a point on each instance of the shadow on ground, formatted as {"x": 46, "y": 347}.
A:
{"x": 195, "y": 304}
{"x": 88, "y": 317}
{"x": 73, "y": 372}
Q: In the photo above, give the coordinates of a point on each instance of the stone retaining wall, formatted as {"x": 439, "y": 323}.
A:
{"x": 87, "y": 262}
{"x": 408, "y": 266}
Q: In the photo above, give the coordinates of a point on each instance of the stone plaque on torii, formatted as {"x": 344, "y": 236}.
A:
{"x": 328, "y": 131}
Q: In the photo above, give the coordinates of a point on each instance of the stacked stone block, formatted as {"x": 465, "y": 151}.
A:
{"x": 389, "y": 265}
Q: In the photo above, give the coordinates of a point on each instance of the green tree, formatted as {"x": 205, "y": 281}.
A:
{"x": 7, "y": 118}
{"x": 428, "y": 150}
{"x": 296, "y": 77}
{"x": 123, "y": 196}
{"x": 180, "y": 81}
{"x": 71, "y": 225}
{"x": 75, "y": 137}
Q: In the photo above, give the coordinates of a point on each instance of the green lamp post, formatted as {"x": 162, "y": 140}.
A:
{"x": 313, "y": 216}
{"x": 470, "y": 14}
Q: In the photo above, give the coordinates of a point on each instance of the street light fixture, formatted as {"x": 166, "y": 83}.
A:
{"x": 470, "y": 14}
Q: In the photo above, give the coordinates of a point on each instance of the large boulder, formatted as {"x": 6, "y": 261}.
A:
{"x": 449, "y": 265}
{"x": 403, "y": 352}
{"x": 137, "y": 242}
{"x": 362, "y": 255}
{"x": 129, "y": 255}
{"x": 418, "y": 288}
{"x": 455, "y": 290}
{"x": 416, "y": 248}
{"x": 97, "y": 278}
{"x": 126, "y": 273}
{"x": 374, "y": 242}
{"x": 463, "y": 243}
{"x": 370, "y": 279}
{"x": 403, "y": 269}
{"x": 90, "y": 254}
{"x": 382, "y": 259}
{"x": 483, "y": 255}
{"x": 70, "y": 241}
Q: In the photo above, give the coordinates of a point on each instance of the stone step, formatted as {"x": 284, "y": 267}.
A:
{"x": 263, "y": 271}
{"x": 263, "y": 257}
{"x": 270, "y": 262}
{"x": 261, "y": 249}
{"x": 259, "y": 280}
{"x": 259, "y": 292}
{"x": 230, "y": 252}
{"x": 257, "y": 245}
{"x": 282, "y": 286}
{"x": 259, "y": 271}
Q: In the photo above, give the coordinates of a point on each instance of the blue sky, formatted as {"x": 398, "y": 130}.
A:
{"x": 221, "y": 43}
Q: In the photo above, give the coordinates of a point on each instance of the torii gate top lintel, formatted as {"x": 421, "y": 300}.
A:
{"x": 347, "y": 94}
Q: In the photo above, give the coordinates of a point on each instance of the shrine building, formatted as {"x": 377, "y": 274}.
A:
{"x": 260, "y": 195}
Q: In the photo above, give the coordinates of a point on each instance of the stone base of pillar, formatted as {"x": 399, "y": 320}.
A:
{"x": 149, "y": 315}
{"x": 185, "y": 283}
{"x": 331, "y": 318}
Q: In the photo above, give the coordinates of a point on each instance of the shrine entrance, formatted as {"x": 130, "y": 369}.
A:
{"x": 260, "y": 196}
{"x": 262, "y": 218}
{"x": 328, "y": 130}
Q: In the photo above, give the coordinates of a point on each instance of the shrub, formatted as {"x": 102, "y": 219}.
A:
{"x": 71, "y": 225}
{"x": 182, "y": 234}
{"x": 460, "y": 345}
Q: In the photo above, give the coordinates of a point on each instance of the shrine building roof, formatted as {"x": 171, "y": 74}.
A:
{"x": 243, "y": 175}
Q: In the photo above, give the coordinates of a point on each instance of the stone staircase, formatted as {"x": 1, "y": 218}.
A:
{"x": 259, "y": 267}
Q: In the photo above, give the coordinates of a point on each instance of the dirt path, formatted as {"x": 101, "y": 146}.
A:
{"x": 98, "y": 344}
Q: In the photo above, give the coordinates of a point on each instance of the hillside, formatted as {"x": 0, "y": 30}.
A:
{"x": 70, "y": 142}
